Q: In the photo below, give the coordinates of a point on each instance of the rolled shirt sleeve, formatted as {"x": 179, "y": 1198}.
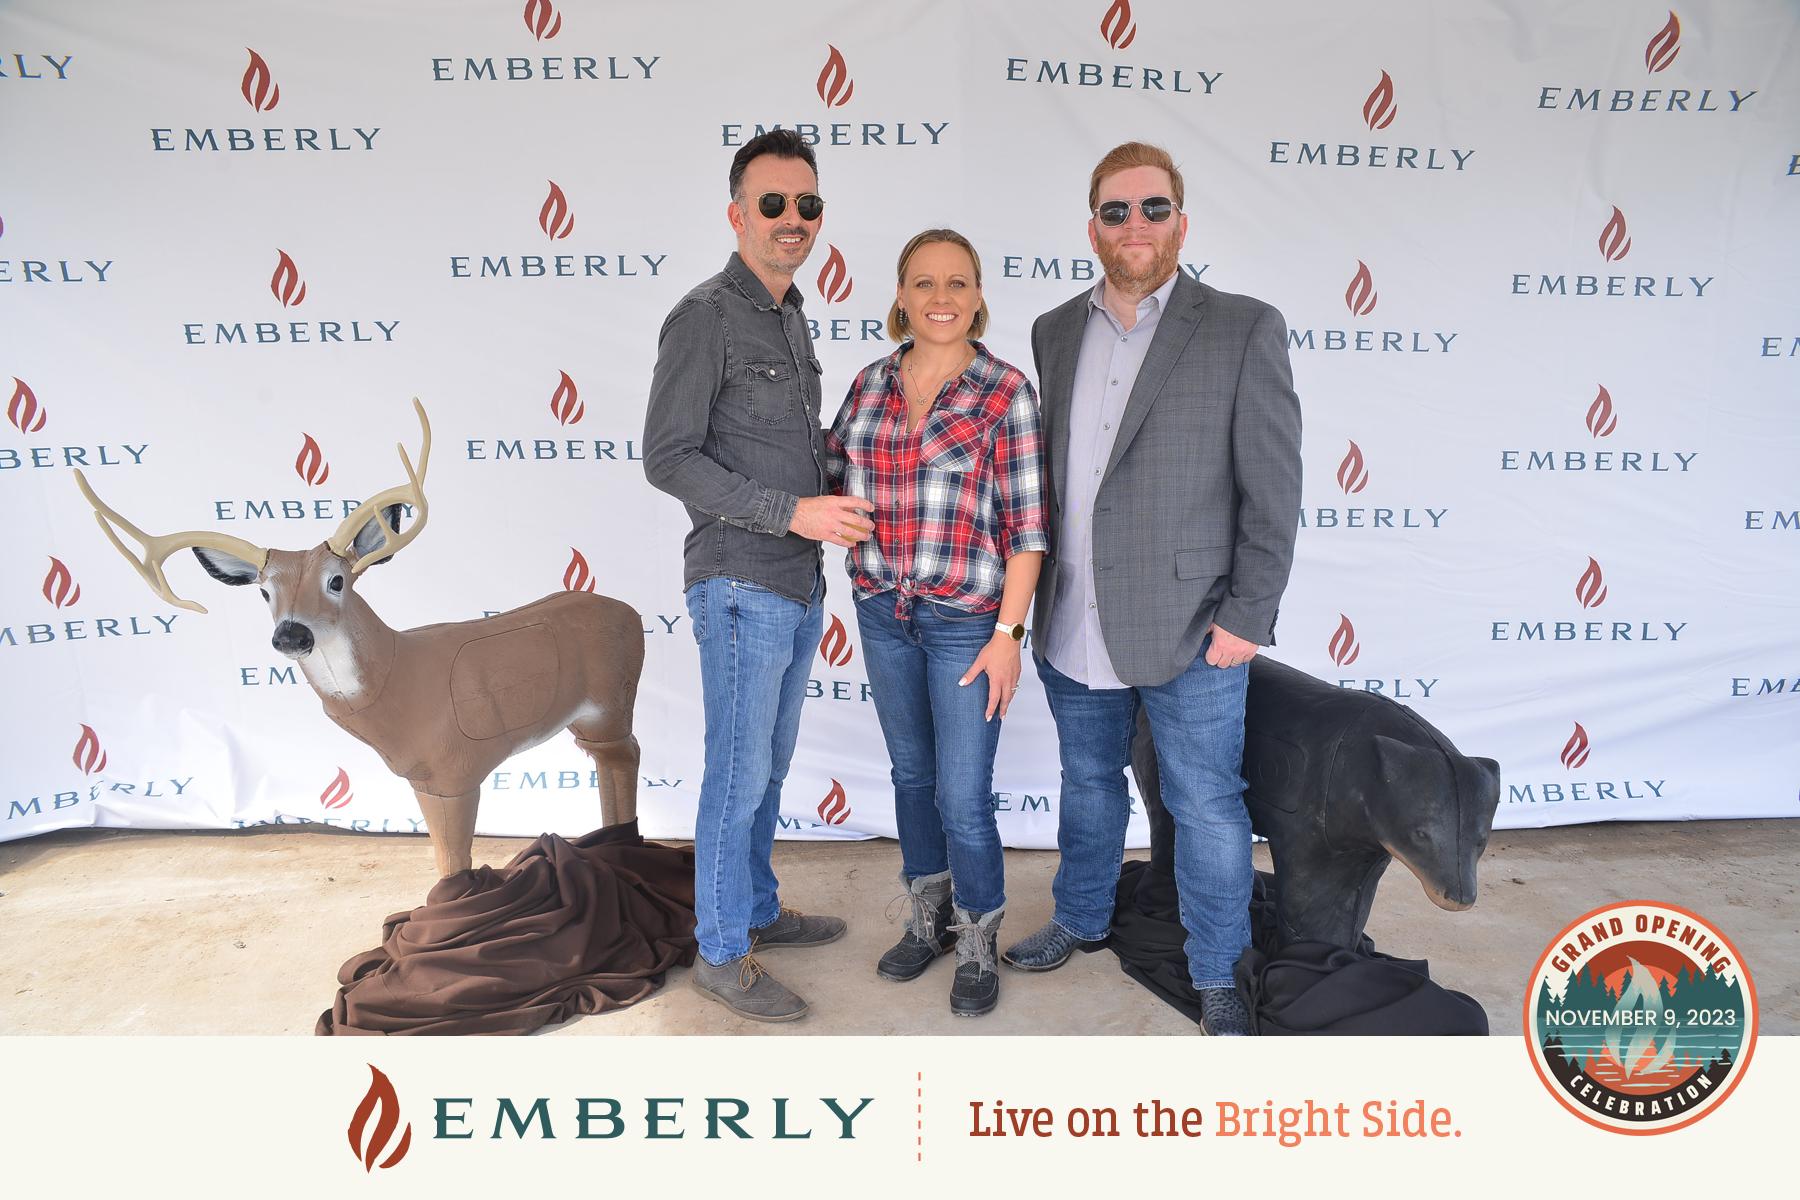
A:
{"x": 1019, "y": 476}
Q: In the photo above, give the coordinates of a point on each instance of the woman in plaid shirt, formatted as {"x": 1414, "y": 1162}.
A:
{"x": 943, "y": 438}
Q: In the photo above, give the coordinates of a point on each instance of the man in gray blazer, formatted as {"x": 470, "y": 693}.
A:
{"x": 1173, "y": 436}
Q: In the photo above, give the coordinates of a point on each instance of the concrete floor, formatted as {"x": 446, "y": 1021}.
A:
{"x": 110, "y": 932}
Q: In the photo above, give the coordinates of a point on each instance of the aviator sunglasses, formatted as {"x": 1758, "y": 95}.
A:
{"x": 1155, "y": 209}
{"x": 808, "y": 204}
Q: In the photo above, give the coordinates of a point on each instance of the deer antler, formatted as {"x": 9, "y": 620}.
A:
{"x": 411, "y": 492}
{"x": 158, "y": 549}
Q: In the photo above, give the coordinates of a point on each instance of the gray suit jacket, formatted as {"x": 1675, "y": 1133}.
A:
{"x": 1195, "y": 519}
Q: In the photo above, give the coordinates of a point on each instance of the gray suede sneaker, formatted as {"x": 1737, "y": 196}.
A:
{"x": 794, "y": 928}
{"x": 747, "y": 990}
{"x": 1222, "y": 1013}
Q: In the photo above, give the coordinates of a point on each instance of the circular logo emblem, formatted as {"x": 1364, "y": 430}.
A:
{"x": 1640, "y": 1017}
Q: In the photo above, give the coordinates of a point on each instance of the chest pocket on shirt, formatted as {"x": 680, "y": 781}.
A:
{"x": 772, "y": 389}
{"x": 953, "y": 443}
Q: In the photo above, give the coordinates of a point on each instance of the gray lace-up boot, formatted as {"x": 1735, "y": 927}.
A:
{"x": 976, "y": 988}
{"x": 927, "y": 928}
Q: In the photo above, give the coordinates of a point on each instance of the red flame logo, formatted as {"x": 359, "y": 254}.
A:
{"x": 835, "y": 85}
{"x": 834, "y": 809}
{"x": 1117, "y": 27}
{"x": 1360, "y": 296}
{"x": 1352, "y": 476}
{"x": 577, "y": 577}
{"x": 285, "y": 284}
{"x": 88, "y": 756}
{"x": 24, "y": 411}
{"x": 1600, "y": 418}
{"x": 834, "y": 278}
{"x": 542, "y": 19}
{"x": 555, "y": 218}
{"x": 1590, "y": 589}
{"x": 60, "y": 587}
{"x": 310, "y": 463}
{"x": 1378, "y": 110}
{"x": 565, "y": 402}
{"x": 1663, "y": 48}
{"x": 1614, "y": 242}
{"x": 834, "y": 647}
{"x": 1575, "y": 750}
{"x": 259, "y": 87}
{"x": 1344, "y": 647}
{"x": 380, "y": 1096}
{"x": 337, "y": 792}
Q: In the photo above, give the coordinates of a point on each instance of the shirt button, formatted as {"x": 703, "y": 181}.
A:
{"x": 1106, "y": 424}
{"x": 1090, "y": 604}
{"x": 771, "y": 372}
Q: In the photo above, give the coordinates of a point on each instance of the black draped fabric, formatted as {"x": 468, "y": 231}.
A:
{"x": 1300, "y": 988}
{"x": 564, "y": 929}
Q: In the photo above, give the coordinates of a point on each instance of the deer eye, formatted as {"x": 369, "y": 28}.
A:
{"x": 265, "y": 592}
{"x": 336, "y": 583}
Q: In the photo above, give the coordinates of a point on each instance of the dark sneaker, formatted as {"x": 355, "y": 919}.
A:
{"x": 793, "y": 928}
{"x": 1222, "y": 1013}
{"x": 976, "y": 988}
{"x": 1048, "y": 949}
{"x": 747, "y": 990}
{"x": 928, "y": 933}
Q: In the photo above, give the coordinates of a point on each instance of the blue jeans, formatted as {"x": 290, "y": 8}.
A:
{"x": 755, "y": 650}
{"x": 1198, "y": 720}
{"x": 940, "y": 744}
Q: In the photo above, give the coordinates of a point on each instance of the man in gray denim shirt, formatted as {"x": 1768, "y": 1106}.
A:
{"x": 733, "y": 432}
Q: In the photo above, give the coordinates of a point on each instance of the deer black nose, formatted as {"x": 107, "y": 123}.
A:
{"x": 293, "y": 639}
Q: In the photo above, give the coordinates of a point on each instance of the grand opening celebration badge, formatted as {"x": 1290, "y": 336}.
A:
{"x": 1640, "y": 1017}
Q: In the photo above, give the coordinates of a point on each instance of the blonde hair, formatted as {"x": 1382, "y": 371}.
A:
{"x": 1134, "y": 154}
{"x": 896, "y": 319}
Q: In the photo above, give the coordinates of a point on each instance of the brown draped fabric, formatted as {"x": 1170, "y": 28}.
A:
{"x": 565, "y": 929}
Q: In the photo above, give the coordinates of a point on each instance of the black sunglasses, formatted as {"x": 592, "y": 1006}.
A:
{"x": 1117, "y": 212}
{"x": 809, "y": 205}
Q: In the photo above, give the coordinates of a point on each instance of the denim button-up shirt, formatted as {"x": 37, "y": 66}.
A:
{"x": 733, "y": 430}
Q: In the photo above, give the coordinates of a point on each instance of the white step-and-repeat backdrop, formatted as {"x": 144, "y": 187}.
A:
{"x": 1539, "y": 260}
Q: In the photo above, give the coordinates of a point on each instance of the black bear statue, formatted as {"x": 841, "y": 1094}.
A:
{"x": 1340, "y": 782}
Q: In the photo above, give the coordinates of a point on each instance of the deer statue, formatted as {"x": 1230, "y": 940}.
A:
{"x": 442, "y": 704}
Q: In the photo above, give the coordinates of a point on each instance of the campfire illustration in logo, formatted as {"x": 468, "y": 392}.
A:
{"x": 834, "y": 278}
{"x": 1662, "y": 49}
{"x": 1344, "y": 647}
{"x": 834, "y": 647}
{"x": 337, "y": 792}
{"x": 1601, "y": 420}
{"x": 1575, "y": 750}
{"x": 834, "y": 809}
{"x": 1352, "y": 476}
{"x": 1590, "y": 589}
{"x": 383, "y": 1104}
{"x": 310, "y": 463}
{"x": 1379, "y": 110}
{"x": 565, "y": 402}
{"x": 23, "y": 410}
{"x": 1615, "y": 241}
{"x": 285, "y": 284}
{"x": 1117, "y": 27}
{"x": 88, "y": 756}
{"x": 60, "y": 587}
{"x": 1360, "y": 296}
{"x": 556, "y": 219}
{"x": 577, "y": 577}
{"x": 542, "y": 19}
{"x": 259, "y": 86}
{"x": 835, "y": 85}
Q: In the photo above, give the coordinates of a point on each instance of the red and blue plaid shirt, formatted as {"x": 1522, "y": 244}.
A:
{"x": 956, "y": 497}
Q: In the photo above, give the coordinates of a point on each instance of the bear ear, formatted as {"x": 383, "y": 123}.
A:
{"x": 1404, "y": 765}
{"x": 1487, "y": 767}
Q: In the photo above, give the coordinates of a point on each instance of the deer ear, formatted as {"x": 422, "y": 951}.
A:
{"x": 226, "y": 568}
{"x": 372, "y": 537}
